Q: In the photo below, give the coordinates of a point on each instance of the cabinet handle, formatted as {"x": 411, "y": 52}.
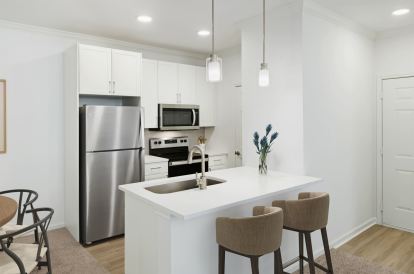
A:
{"x": 110, "y": 86}
{"x": 113, "y": 87}
{"x": 155, "y": 168}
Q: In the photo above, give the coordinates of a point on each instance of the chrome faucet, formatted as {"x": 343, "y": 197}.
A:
{"x": 202, "y": 181}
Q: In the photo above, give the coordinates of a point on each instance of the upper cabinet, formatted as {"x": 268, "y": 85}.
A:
{"x": 176, "y": 83}
{"x": 205, "y": 97}
{"x": 168, "y": 83}
{"x": 104, "y": 71}
{"x": 186, "y": 84}
{"x": 172, "y": 83}
{"x": 149, "y": 98}
{"x": 94, "y": 70}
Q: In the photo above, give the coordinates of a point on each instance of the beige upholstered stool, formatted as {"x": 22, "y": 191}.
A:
{"x": 252, "y": 237}
{"x": 305, "y": 215}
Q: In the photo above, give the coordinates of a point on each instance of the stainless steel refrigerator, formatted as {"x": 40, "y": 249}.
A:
{"x": 112, "y": 154}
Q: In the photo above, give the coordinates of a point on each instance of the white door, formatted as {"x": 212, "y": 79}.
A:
{"x": 149, "y": 98}
{"x": 168, "y": 83}
{"x": 186, "y": 84}
{"x": 125, "y": 72}
{"x": 398, "y": 152}
{"x": 206, "y": 98}
{"x": 94, "y": 70}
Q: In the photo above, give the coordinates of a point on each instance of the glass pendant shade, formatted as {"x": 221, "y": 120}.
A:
{"x": 214, "y": 69}
{"x": 264, "y": 75}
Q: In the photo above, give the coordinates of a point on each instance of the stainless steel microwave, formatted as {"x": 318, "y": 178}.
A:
{"x": 178, "y": 117}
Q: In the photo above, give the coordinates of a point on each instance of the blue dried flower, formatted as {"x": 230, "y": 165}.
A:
{"x": 256, "y": 136}
{"x": 268, "y": 129}
{"x": 274, "y": 136}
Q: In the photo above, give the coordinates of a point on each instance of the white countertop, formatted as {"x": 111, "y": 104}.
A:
{"x": 149, "y": 159}
{"x": 243, "y": 184}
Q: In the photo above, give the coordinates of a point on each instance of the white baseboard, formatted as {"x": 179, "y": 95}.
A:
{"x": 340, "y": 241}
{"x": 354, "y": 232}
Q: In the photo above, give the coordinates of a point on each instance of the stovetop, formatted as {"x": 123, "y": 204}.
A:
{"x": 175, "y": 149}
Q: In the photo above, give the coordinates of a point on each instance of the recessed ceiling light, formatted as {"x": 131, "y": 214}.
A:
{"x": 400, "y": 12}
{"x": 144, "y": 19}
{"x": 203, "y": 33}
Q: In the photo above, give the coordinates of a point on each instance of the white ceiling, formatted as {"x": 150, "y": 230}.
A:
{"x": 375, "y": 15}
{"x": 175, "y": 22}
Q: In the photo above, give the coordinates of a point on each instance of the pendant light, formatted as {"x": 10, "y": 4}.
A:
{"x": 213, "y": 62}
{"x": 264, "y": 71}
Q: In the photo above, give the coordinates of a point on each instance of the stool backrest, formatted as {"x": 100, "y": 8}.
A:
{"x": 254, "y": 236}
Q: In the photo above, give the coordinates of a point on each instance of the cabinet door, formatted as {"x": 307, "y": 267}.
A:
{"x": 186, "y": 82}
{"x": 206, "y": 98}
{"x": 149, "y": 98}
{"x": 94, "y": 70}
{"x": 126, "y": 72}
{"x": 168, "y": 83}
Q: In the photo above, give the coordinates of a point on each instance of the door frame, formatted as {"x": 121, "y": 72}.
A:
{"x": 379, "y": 155}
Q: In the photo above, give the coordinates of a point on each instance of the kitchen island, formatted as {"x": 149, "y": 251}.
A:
{"x": 174, "y": 233}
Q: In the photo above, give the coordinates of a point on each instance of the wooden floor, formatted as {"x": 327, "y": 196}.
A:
{"x": 384, "y": 246}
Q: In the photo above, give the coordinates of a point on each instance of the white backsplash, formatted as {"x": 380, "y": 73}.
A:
{"x": 191, "y": 134}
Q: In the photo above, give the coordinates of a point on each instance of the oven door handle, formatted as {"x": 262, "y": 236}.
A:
{"x": 181, "y": 163}
{"x": 194, "y": 117}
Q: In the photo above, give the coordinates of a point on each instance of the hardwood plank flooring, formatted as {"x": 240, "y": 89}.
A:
{"x": 385, "y": 246}
{"x": 110, "y": 254}
{"x": 381, "y": 245}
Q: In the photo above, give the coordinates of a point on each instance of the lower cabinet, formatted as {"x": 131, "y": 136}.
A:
{"x": 216, "y": 162}
{"x": 156, "y": 171}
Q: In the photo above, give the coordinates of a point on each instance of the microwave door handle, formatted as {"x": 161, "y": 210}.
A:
{"x": 194, "y": 117}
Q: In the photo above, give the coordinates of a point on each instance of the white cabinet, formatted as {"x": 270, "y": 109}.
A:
{"x": 126, "y": 71}
{"x": 186, "y": 84}
{"x": 105, "y": 71}
{"x": 176, "y": 83}
{"x": 168, "y": 83}
{"x": 149, "y": 97}
{"x": 94, "y": 70}
{"x": 156, "y": 170}
{"x": 206, "y": 98}
{"x": 216, "y": 162}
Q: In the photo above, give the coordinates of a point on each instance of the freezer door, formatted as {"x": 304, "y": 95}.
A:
{"x": 102, "y": 204}
{"x": 112, "y": 128}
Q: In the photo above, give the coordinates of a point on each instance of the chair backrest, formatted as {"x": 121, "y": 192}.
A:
{"x": 308, "y": 213}
{"x": 253, "y": 236}
{"x": 26, "y": 198}
{"x": 40, "y": 224}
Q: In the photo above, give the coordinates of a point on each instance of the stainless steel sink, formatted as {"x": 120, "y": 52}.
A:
{"x": 181, "y": 186}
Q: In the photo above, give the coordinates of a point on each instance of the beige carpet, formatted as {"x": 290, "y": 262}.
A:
{"x": 68, "y": 256}
{"x": 344, "y": 263}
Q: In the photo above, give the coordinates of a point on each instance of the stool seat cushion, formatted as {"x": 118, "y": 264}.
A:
{"x": 8, "y": 208}
{"x": 308, "y": 213}
{"x": 253, "y": 236}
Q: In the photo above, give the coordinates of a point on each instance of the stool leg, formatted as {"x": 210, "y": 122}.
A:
{"x": 300, "y": 252}
{"x": 310, "y": 252}
{"x": 222, "y": 259}
{"x": 278, "y": 262}
{"x": 255, "y": 264}
{"x": 327, "y": 251}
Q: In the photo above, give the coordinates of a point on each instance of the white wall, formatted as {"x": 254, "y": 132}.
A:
{"x": 339, "y": 118}
{"x": 280, "y": 104}
{"x": 322, "y": 100}
{"x": 226, "y": 135}
{"x": 394, "y": 54}
{"x": 31, "y": 60}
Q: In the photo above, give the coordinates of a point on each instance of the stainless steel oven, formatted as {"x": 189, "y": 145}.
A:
{"x": 178, "y": 117}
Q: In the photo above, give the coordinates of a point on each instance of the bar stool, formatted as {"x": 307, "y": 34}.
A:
{"x": 252, "y": 237}
{"x": 305, "y": 215}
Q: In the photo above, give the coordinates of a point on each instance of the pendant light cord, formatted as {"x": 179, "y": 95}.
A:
{"x": 212, "y": 26}
{"x": 264, "y": 31}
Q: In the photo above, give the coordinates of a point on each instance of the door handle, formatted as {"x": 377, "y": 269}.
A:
{"x": 194, "y": 117}
{"x": 237, "y": 153}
